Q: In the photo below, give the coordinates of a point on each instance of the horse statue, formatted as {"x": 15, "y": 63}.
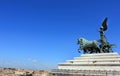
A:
{"x": 92, "y": 46}
{"x": 88, "y": 46}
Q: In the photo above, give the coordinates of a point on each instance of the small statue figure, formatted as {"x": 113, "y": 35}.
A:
{"x": 93, "y": 46}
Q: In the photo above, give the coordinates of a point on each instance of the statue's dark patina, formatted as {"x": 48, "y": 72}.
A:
{"x": 92, "y": 46}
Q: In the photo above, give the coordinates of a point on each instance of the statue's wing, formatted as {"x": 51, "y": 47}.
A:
{"x": 104, "y": 24}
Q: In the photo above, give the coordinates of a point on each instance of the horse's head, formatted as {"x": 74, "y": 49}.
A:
{"x": 81, "y": 41}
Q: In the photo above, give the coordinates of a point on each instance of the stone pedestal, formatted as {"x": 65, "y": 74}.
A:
{"x": 101, "y": 64}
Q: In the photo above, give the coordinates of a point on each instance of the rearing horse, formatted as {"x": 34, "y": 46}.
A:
{"x": 88, "y": 46}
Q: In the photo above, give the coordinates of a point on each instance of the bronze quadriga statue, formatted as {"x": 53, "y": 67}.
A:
{"x": 96, "y": 46}
{"x": 104, "y": 62}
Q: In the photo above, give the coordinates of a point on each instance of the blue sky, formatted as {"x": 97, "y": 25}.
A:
{"x": 39, "y": 34}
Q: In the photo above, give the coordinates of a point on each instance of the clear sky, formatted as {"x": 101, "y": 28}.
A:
{"x": 39, "y": 34}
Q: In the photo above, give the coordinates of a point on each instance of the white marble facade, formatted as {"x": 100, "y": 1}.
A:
{"x": 100, "y": 61}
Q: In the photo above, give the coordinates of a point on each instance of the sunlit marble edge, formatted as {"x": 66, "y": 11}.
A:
{"x": 101, "y": 54}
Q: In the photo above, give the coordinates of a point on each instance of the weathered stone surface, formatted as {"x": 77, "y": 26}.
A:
{"x": 91, "y": 64}
{"x": 100, "y": 61}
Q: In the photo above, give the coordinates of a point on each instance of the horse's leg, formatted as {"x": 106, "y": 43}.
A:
{"x": 91, "y": 51}
{"x": 97, "y": 50}
{"x": 84, "y": 51}
{"x": 101, "y": 50}
{"x": 79, "y": 50}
